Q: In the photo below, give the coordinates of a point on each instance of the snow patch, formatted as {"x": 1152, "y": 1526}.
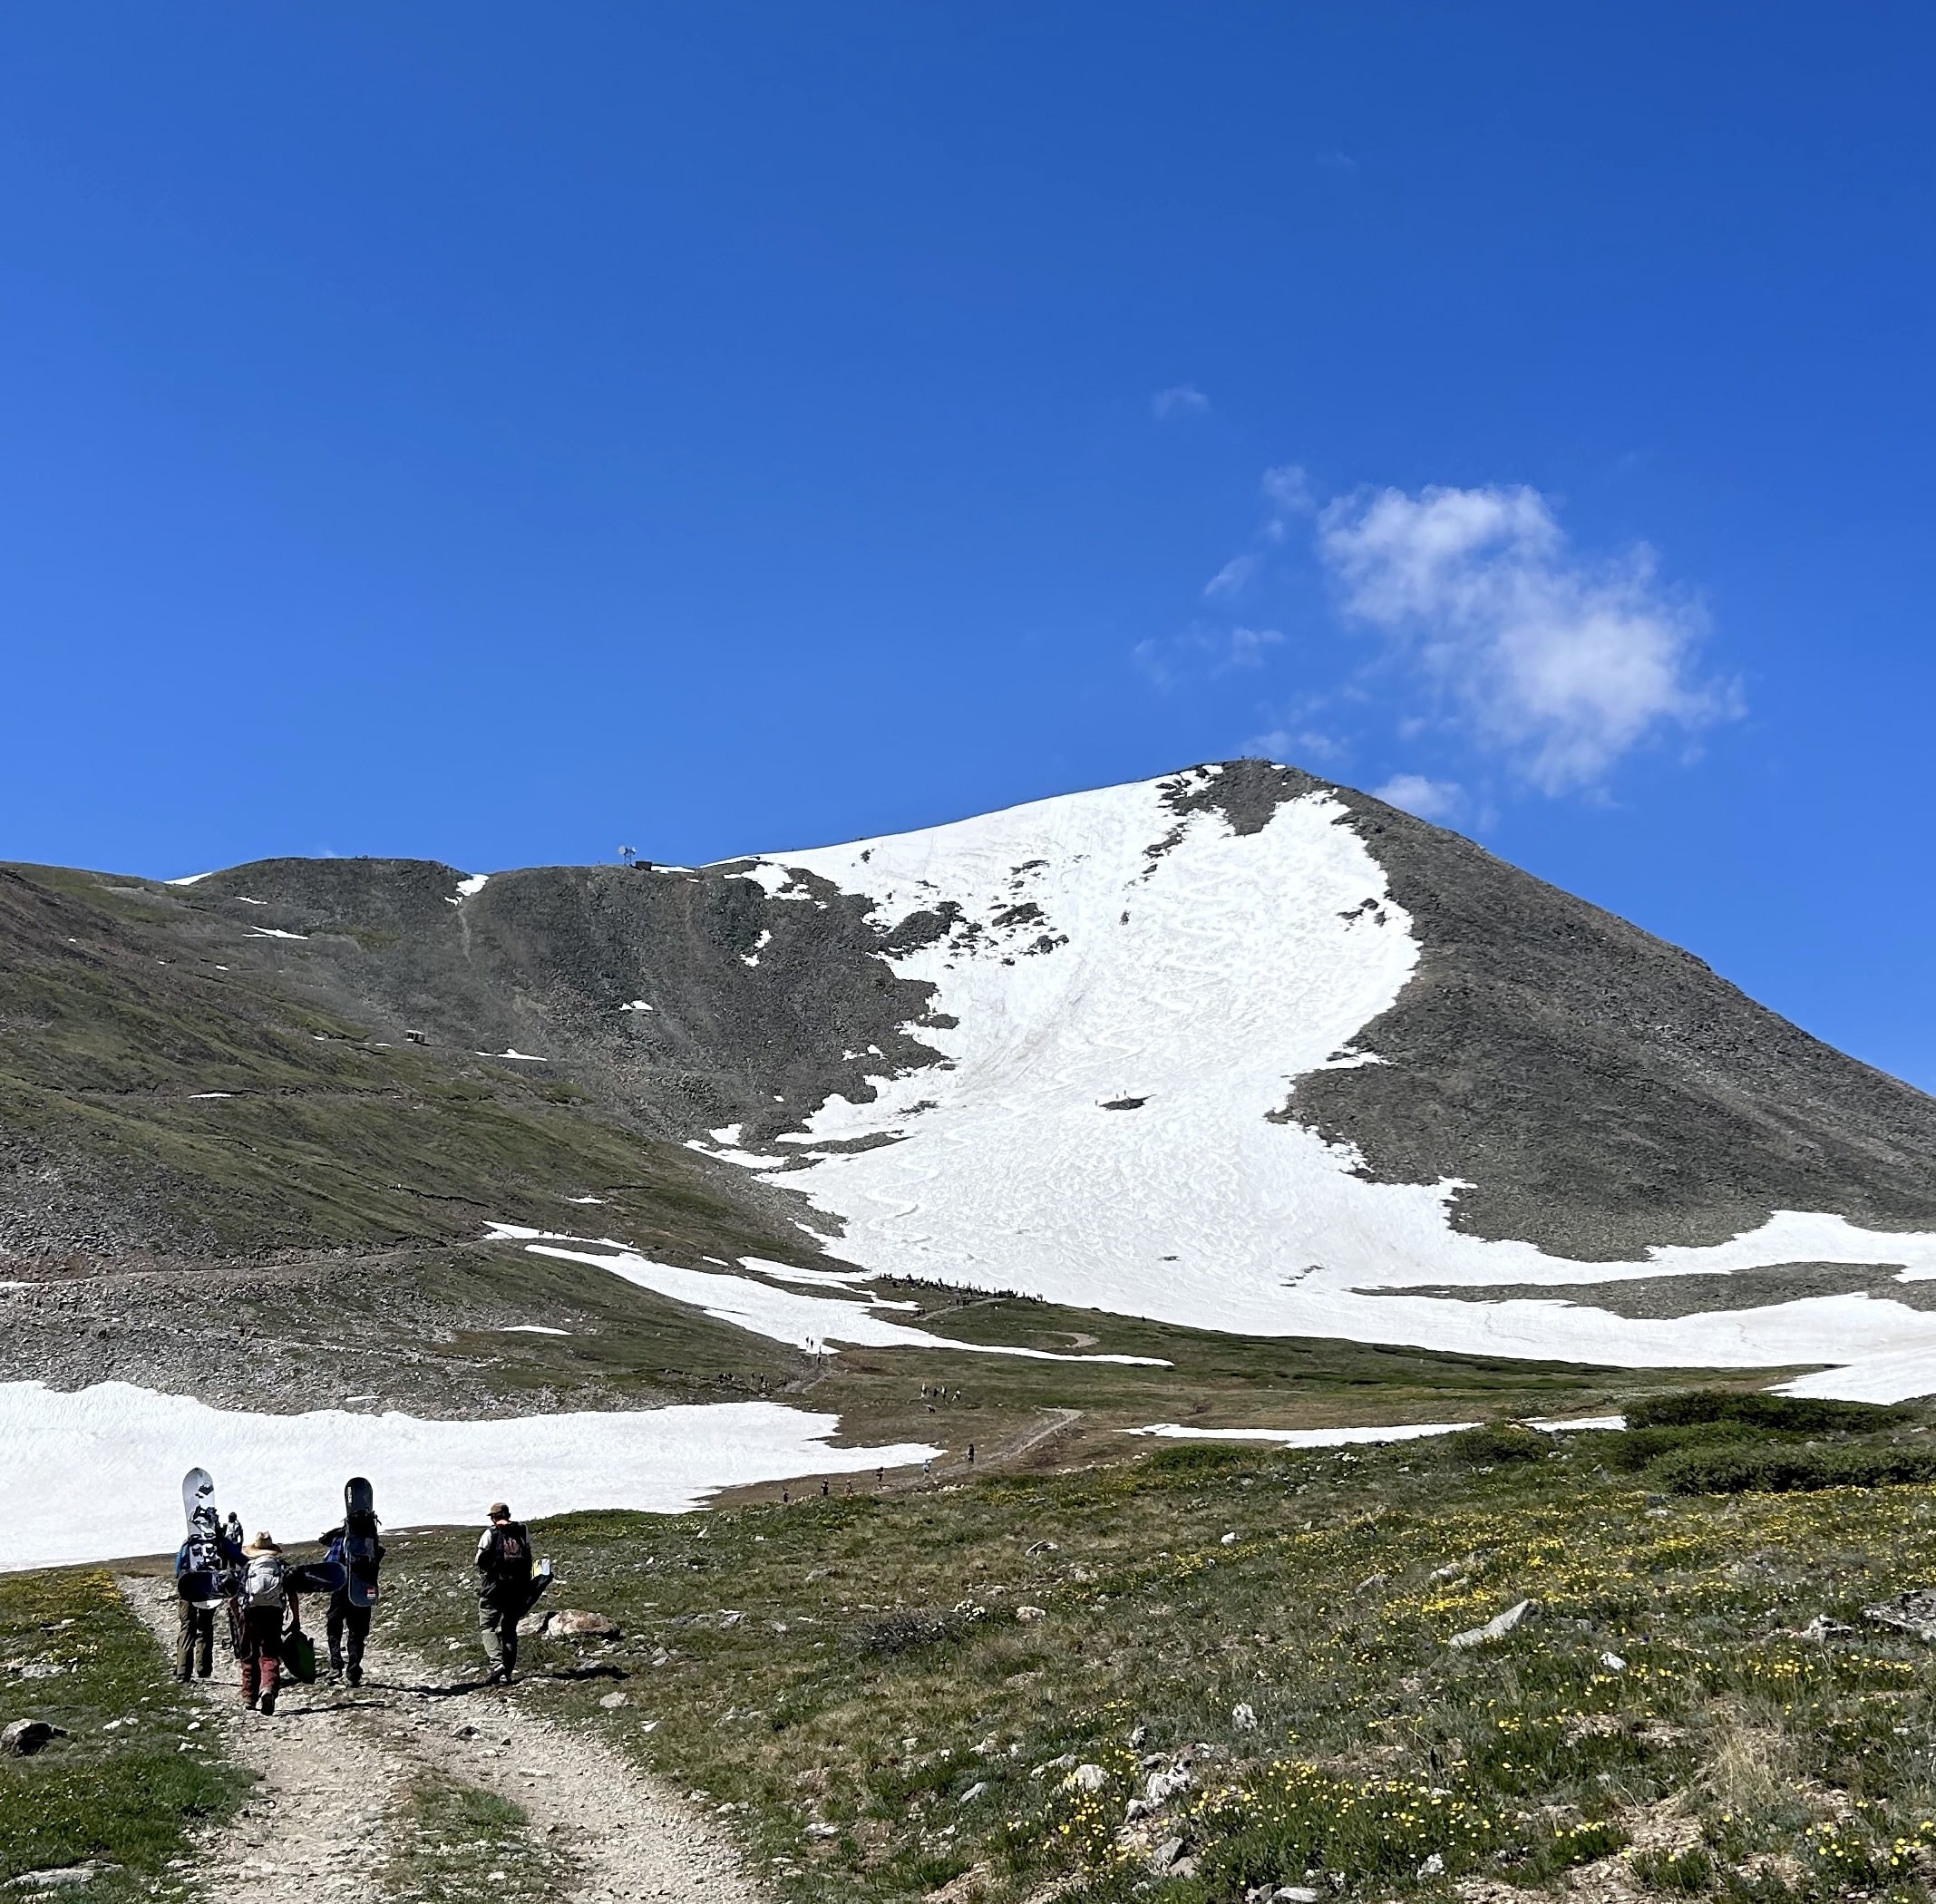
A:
{"x": 471, "y": 885}
{"x": 1303, "y": 1437}
{"x": 1352, "y": 1437}
{"x": 812, "y": 1323}
{"x": 638, "y": 1005}
{"x": 188, "y": 879}
{"x": 522, "y": 1057}
{"x": 273, "y": 932}
{"x": 793, "y": 1273}
{"x": 530, "y": 1328}
{"x": 108, "y": 1462}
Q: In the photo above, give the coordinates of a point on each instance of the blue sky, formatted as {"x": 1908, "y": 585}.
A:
{"x": 465, "y": 432}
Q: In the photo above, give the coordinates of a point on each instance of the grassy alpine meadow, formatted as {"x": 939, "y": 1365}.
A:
{"x": 1211, "y": 1672}
{"x": 134, "y": 1768}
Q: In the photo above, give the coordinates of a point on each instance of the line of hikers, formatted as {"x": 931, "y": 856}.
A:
{"x": 262, "y": 1590}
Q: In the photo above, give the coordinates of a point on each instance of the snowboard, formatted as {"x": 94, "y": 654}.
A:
{"x": 539, "y": 1581}
{"x": 316, "y": 1577}
{"x": 359, "y": 1540}
{"x": 207, "y": 1579}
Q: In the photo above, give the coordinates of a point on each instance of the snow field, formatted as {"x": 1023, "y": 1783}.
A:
{"x": 1138, "y": 994}
{"x": 107, "y": 1464}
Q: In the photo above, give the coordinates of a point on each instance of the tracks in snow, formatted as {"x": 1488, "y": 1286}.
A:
{"x": 336, "y": 1770}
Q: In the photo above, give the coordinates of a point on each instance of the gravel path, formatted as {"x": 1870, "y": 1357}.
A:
{"x": 334, "y": 1769}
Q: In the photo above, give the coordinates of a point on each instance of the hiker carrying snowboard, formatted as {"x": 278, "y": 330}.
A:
{"x": 355, "y": 1548}
{"x": 206, "y": 1557}
{"x": 504, "y": 1590}
{"x": 268, "y": 1604}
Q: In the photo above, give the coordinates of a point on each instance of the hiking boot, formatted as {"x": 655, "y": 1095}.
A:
{"x": 250, "y": 1702}
{"x": 268, "y": 1708}
{"x": 354, "y": 1675}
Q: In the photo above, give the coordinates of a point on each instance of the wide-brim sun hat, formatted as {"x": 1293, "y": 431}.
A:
{"x": 264, "y": 1543}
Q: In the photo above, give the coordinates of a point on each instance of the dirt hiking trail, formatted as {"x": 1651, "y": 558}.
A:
{"x": 338, "y": 1769}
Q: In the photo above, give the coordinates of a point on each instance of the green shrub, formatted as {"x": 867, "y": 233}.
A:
{"x": 1639, "y": 1447}
{"x": 1199, "y": 1458}
{"x": 1497, "y": 1444}
{"x": 1784, "y": 1414}
{"x": 1787, "y": 1467}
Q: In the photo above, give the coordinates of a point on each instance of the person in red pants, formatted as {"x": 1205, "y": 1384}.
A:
{"x": 267, "y": 1606}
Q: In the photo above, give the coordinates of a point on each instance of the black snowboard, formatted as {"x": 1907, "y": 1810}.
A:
{"x": 359, "y": 1540}
{"x": 316, "y": 1577}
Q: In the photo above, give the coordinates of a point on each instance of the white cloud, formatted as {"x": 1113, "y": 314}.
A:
{"x": 1248, "y": 645}
{"x": 1564, "y": 665}
{"x": 1203, "y": 653}
{"x": 1429, "y": 798}
{"x": 1286, "y": 493}
{"x": 1232, "y": 578}
{"x": 1295, "y": 748}
{"x": 1179, "y": 400}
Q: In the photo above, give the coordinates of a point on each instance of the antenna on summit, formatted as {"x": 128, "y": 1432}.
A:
{"x": 628, "y": 854}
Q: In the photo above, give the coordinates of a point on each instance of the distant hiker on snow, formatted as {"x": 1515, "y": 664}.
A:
{"x": 204, "y": 1560}
{"x": 267, "y": 1603}
{"x": 504, "y": 1590}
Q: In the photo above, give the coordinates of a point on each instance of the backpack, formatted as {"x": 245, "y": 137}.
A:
{"x": 510, "y": 1555}
{"x": 264, "y": 1585}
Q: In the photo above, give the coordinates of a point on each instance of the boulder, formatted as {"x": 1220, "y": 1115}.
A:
{"x": 1496, "y": 1628}
{"x": 1164, "y": 1785}
{"x": 1913, "y": 1613}
{"x": 574, "y": 1623}
{"x": 24, "y": 1738}
{"x": 1087, "y": 1778}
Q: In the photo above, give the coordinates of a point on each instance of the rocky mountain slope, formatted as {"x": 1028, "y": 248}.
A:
{"x": 1235, "y": 1049}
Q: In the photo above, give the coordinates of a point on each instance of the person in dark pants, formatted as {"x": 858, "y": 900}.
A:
{"x": 346, "y": 1622}
{"x": 204, "y": 1551}
{"x": 504, "y": 1590}
{"x": 268, "y": 1603}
